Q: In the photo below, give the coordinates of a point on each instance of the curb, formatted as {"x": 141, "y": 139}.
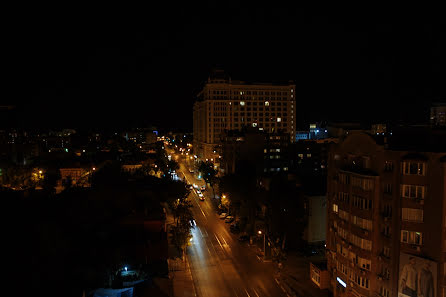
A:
{"x": 192, "y": 278}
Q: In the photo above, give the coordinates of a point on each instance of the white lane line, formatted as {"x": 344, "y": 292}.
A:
{"x": 218, "y": 241}
{"x": 247, "y": 293}
{"x": 283, "y": 289}
{"x": 255, "y": 292}
{"x": 224, "y": 240}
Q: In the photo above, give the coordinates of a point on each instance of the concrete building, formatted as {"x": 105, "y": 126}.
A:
{"x": 386, "y": 214}
{"x": 225, "y": 104}
{"x": 267, "y": 152}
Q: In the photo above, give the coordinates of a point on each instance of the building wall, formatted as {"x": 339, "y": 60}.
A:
{"x": 317, "y": 217}
{"x": 359, "y": 168}
{"x": 226, "y": 105}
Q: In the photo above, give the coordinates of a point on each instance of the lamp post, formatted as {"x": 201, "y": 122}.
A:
{"x": 264, "y": 243}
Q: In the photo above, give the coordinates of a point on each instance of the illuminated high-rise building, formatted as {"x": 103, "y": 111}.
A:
{"x": 225, "y": 104}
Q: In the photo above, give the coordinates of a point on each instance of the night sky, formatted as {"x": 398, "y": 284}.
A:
{"x": 107, "y": 66}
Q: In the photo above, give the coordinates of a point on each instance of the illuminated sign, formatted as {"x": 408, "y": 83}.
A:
{"x": 341, "y": 282}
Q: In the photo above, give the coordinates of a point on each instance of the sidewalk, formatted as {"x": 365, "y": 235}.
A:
{"x": 180, "y": 275}
{"x": 183, "y": 284}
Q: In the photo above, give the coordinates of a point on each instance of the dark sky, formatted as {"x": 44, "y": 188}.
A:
{"x": 100, "y": 66}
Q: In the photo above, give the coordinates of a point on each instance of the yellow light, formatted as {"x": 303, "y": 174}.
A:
{"x": 223, "y": 196}
{"x": 94, "y": 168}
{"x": 260, "y": 232}
{"x": 40, "y": 171}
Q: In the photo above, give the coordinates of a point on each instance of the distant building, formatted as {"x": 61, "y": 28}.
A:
{"x": 225, "y": 104}
{"x": 319, "y": 274}
{"x": 78, "y": 175}
{"x": 438, "y": 114}
{"x": 267, "y": 152}
{"x": 317, "y": 132}
{"x": 302, "y": 135}
{"x": 341, "y": 129}
{"x": 315, "y": 231}
{"x": 386, "y": 213}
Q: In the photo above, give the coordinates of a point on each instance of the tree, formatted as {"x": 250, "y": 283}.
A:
{"x": 183, "y": 217}
{"x": 208, "y": 173}
{"x": 286, "y": 212}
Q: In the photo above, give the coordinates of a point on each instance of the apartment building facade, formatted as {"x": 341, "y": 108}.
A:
{"x": 225, "y": 104}
{"x": 386, "y": 214}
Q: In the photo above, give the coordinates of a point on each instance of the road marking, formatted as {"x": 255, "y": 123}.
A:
{"x": 281, "y": 287}
{"x": 255, "y": 292}
{"x": 247, "y": 293}
{"x": 218, "y": 240}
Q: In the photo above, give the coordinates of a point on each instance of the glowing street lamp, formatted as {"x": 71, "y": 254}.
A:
{"x": 264, "y": 243}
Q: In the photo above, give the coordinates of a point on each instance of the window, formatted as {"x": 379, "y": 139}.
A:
{"x": 412, "y": 237}
{"x": 388, "y": 188}
{"x": 266, "y": 103}
{"x": 413, "y": 168}
{"x": 362, "y": 223}
{"x": 344, "y": 215}
{"x": 361, "y": 242}
{"x": 384, "y": 292}
{"x": 412, "y": 214}
{"x": 344, "y": 179}
{"x": 413, "y": 191}
{"x": 335, "y": 208}
{"x": 364, "y": 183}
{"x": 364, "y": 263}
{"x": 386, "y": 251}
{"x": 344, "y": 197}
{"x": 279, "y": 120}
{"x": 361, "y": 203}
{"x": 388, "y": 166}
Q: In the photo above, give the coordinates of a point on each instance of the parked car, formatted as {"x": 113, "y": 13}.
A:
{"x": 234, "y": 228}
{"x": 243, "y": 237}
{"x": 223, "y": 215}
{"x": 229, "y": 219}
{"x": 195, "y": 186}
{"x": 202, "y": 188}
{"x": 201, "y": 197}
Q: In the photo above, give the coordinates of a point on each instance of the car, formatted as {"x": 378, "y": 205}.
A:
{"x": 191, "y": 171}
{"x": 243, "y": 237}
{"x": 234, "y": 228}
{"x": 200, "y": 195}
{"x": 223, "y": 215}
{"x": 229, "y": 219}
{"x": 199, "y": 192}
{"x": 195, "y": 186}
{"x": 203, "y": 188}
{"x": 201, "y": 198}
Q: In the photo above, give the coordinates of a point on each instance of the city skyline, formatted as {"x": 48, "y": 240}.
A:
{"x": 344, "y": 68}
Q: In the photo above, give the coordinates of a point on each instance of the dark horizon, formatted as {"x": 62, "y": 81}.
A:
{"x": 105, "y": 74}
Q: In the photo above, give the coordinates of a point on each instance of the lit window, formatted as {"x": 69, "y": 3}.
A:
{"x": 279, "y": 119}
{"x": 242, "y": 103}
{"x": 266, "y": 103}
{"x": 254, "y": 125}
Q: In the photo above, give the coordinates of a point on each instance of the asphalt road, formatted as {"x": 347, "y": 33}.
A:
{"x": 220, "y": 264}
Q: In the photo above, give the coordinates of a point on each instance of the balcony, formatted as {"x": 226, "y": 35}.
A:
{"x": 383, "y": 257}
{"x": 387, "y": 217}
{"x": 359, "y": 170}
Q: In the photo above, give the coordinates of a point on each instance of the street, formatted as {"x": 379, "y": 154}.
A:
{"x": 220, "y": 264}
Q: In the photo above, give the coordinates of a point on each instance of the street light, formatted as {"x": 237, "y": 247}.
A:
{"x": 264, "y": 243}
